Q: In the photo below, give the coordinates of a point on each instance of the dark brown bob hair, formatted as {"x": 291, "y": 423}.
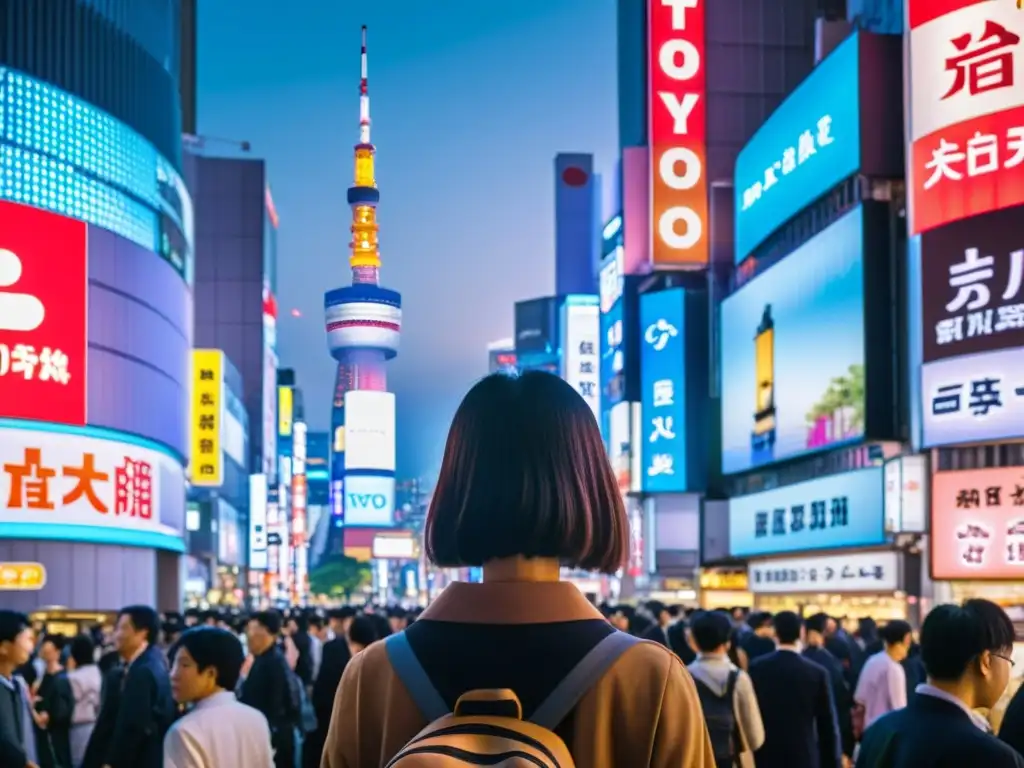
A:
{"x": 525, "y": 473}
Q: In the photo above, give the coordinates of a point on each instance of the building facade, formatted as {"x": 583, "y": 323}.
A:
{"x": 98, "y": 248}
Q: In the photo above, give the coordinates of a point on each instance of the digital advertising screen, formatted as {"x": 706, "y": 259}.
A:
{"x": 663, "y": 391}
{"x": 793, "y": 353}
{"x": 972, "y": 286}
{"x": 78, "y": 486}
{"x": 536, "y": 323}
{"x": 370, "y": 430}
{"x": 977, "y": 524}
{"x": 43, "y": 316}
{"x": 208, "y": 409}
{"x": 809, "y": 144}
{"x": 975, "y": 398}
{"x": 845, "y": 510}
{"x": 369, "y": 501}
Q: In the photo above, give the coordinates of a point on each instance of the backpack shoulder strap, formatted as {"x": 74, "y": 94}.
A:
{"x": 409, "y": 670}
{"x": 730, "y": 686}
{"x": 591, "y": 668}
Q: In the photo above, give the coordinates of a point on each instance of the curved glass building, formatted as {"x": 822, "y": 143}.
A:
{"x": 95, "y": 235}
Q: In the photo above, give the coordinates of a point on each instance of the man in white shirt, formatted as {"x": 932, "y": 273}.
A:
{"x": 882, "y": 686}
{"x": 220, "y": 730}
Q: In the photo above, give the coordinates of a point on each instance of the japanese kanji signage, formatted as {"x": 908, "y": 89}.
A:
{"x": 872, "y": 572}
{"x": 43, "y": 287}
{"x": 972, "y": 285}
{"x": 967, "y": 109}
{"x": 73, "y": 487}
{"x": 676, "y": 99}
{"x": 844, "y": 510}
{"x": 207, "y": 462}
{"x": 663, "y": 391}
{"x": 976, "y": 398}
{"x": 978, "y": 524}
{"x": 581, "y": 349}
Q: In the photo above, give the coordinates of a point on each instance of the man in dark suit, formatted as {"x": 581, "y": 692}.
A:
{"x": 759, "y": 641}
{"x": 269, "y": 686}
{"x": 142, "y": 707}
{"x": 795, "y": 699}
{"x": 966, "y": 653}
{"x": 842, "y": 698}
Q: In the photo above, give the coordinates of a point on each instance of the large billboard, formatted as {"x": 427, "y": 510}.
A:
{"x": 81, "y": 487}
{"x": 581, "y": 349}
{"x": 369, "y": 431}
{"x": 810, "y": 143}
{"x": 972, "y": 286}
{"x": 966, "y": 109}
{"x": 207, "y": 418}
{"x": 663, "y": 391}
{"x": 536, "y": 323}
{"x": 793, "y": 353}
{"x": 977, "y": 524}
{"x": 976, "y": 398}
{"x": 677, "y": 133}
{"x": 369, "y": 501}
{"x": 43, "y": 317}
{"x": 844, "y": 510}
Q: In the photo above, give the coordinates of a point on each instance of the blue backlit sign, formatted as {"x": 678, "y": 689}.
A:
{"x": 663, "y": 391}
{"x": 807, "y": 146}
{"x": 845, "y": 510}
{"x": 611, "y": 285}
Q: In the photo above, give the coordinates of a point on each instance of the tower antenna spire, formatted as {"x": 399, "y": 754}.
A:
{"x": 364, "y": 96}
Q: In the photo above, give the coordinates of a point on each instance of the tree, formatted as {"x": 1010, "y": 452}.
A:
{"x": 339, "y": 577}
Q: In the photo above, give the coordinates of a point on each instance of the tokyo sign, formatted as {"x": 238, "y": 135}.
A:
{"x": 43, "y": 285}
{"x": 677, "y": 138}
{"x": 967, "y": 109}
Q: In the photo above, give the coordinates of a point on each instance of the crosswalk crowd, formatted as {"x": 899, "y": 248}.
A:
{"x": 520, "y": 669}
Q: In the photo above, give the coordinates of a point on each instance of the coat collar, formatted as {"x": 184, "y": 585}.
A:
{"x": 511, "y": 602}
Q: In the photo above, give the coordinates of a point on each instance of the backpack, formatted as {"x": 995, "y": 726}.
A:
{"x": 720, "y": 717}
{"x": 487, "y": 726}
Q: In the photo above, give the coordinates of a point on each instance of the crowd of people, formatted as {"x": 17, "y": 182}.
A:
{"x": 519, "y": 669}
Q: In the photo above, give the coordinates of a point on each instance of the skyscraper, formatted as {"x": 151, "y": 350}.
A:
{"x": 363, "y": 322}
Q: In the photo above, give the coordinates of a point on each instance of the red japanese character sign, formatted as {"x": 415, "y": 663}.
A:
{"x": 977, "y": 525}
{"x": 967, "y": 109}
{"x": 43, "y": 285}
{"x": 59, "y": 479}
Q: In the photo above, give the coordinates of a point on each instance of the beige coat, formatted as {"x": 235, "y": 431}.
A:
{"x": 644, "y": 712}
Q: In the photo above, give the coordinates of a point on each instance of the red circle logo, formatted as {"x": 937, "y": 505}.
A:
{"x": 574, "y": 177}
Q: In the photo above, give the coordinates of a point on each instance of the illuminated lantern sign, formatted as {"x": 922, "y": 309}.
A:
{"x": 676, "y": 119}
{"x": 43, "y": 289}
{"x": 967, "y": 109}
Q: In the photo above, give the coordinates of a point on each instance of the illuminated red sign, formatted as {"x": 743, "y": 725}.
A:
{"x": 43, "y": 287}
{"x": 967, "y": 109}
{"x": 677, "y": 138}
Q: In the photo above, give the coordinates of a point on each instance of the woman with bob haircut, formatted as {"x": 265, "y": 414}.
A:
{"x": 525, "y": 488}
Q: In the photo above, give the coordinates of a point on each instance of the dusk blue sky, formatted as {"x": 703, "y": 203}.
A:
{"x": 470, "y": 103}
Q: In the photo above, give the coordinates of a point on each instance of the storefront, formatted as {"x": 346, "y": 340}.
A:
{"x": 724, "y": 588}
{"x": 821, "y": 545}
{"x": 851, "y": 584}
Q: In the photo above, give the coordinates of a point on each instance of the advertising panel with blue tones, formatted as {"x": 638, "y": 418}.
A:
{"x": 807, "y": 146}
{"x": 845, "y": 510}
{"x": 369, "y": 501}
{"x": 611, "y": 286}
{"x": 663, "y": 394}
{"x": 793, "y": 353}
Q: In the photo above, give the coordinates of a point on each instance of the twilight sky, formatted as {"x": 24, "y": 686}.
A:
{"x": 470, "y": 103}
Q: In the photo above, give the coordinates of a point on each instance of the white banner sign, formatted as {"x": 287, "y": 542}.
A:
{"x": 258, "y": 522}
{"x": 70, "y": 487}
{"x": 388, "y": 547}
{"x": 581, "y": 349}
{"x": 370, "y": 431}
{"x": 855, "y": 572}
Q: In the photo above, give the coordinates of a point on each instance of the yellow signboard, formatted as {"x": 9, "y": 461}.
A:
{"x": 284, "y": 411}
{"x": 207, "y": 466}
{"x": 339, "y": 440}
{"x": 22, "y": 577}
{"x": 724, "y": 580}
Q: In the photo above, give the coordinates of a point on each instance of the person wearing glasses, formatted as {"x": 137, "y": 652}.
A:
{"x": 966, "y": 653}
